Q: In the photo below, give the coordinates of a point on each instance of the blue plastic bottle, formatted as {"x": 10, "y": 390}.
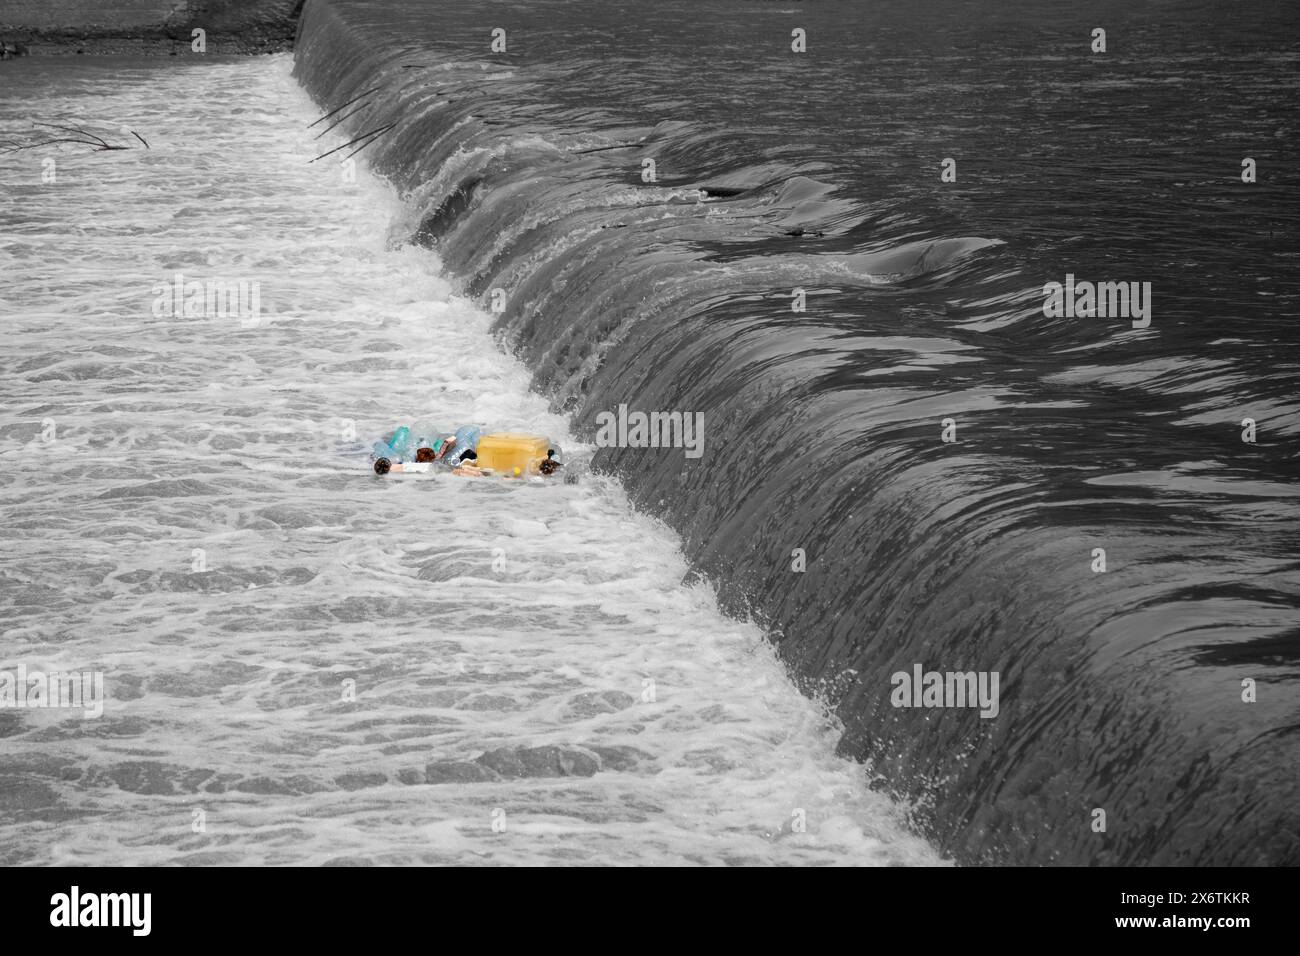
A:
{"x": 397, "y": 448}
{"x": 400, "y": 443}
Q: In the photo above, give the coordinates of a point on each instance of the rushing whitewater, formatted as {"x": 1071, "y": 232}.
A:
{"x": 303, "y": 663}
{"x": 920, "y": 470}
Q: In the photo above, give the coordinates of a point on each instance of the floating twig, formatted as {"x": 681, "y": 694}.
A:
{"x": 378, "y": 133}
{"x": 341, "y": 119}
{"x": 601, "y": 149}
{"x": 79, "y": 131}
{"x": 79, "y": 137}
{"x": 345, "y": 105}
{"x": 370, "y": 137}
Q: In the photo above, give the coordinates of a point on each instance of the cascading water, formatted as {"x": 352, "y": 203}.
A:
{"x": 302, "y": 663}
{"x": 1097, "y": 534}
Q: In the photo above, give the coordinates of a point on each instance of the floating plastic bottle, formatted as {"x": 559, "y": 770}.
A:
{"x": 467, "y": 439}
{"x": 423, "y": 435}
{"x": 400, "y": 443}
{"x": 435, "y": 439}
{"x": 553, "y": 461}
{"x": 396, "y": 449}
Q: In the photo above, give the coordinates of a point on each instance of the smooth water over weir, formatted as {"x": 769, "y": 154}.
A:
{"x": 187, "y": 510}
{"x": 1124, "y": 686}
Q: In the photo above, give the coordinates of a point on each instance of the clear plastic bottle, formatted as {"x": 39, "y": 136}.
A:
{"x": 424, "y": 434}
{"x": 396, "y": 448}
{"x": 467, "y": 438}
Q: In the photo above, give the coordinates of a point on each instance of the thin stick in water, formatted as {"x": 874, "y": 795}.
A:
{"x": 345, "y": 105}
{"x": 372, "y": 133}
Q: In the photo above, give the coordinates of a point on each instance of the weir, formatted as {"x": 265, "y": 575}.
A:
{"x": 1119, "y": 690}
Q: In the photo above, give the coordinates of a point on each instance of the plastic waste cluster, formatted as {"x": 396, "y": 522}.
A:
{"x": 396, "y": 449}
{"x": 466, "y": 438}
{"x": 423, "y": 446}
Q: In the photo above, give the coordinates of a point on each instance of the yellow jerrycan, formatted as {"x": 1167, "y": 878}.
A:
{"x": 511, "y": 454}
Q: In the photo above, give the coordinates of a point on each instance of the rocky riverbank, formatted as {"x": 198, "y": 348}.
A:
{"x": 146, "y": 27}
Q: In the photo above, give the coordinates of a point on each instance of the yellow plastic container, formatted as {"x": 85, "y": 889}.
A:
{"x": 512, "y": 455}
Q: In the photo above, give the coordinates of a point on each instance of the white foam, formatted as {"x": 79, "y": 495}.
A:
{"x": 231, "y": 441}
